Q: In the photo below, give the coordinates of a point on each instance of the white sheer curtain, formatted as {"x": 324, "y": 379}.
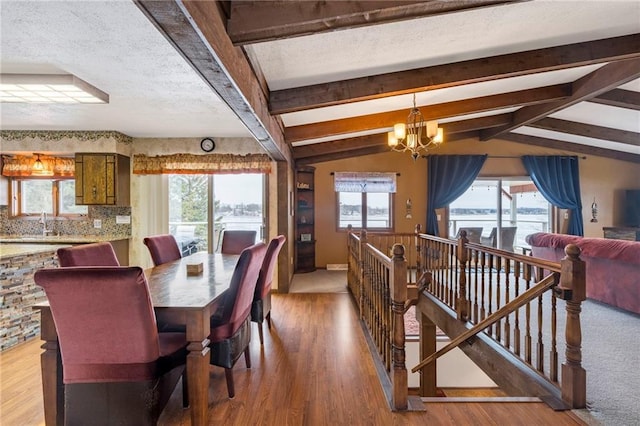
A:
{"x": 364, "y": 182}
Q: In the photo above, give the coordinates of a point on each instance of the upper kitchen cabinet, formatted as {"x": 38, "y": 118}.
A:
{"x": 102, "y": 179}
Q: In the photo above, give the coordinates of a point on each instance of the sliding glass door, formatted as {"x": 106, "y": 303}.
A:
{"x": 202, "y": 206}
{"x": 504, "y": 210}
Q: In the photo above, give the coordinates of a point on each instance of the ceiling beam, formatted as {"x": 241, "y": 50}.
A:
{"x": 342, "y": 145}
{"x": 588, "y": 130}
{"x": 569, "y": 146}
{"x": 431, "y": 112}
{"x": 332, "y": 156}
{"x": 593, "y": 84}
{"x": 253, "y": 21}
{"x": 619, "y": 98}
{"x": 196, "y": 30}
{"x": 362, "y": 145}
{"x": 455, "y": 74}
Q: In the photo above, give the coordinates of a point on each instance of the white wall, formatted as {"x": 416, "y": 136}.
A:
{"x": 453, "y": 370}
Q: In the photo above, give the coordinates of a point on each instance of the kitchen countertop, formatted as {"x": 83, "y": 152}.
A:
{"x": 60, "y": 239}
{"x": 11, "y": 250}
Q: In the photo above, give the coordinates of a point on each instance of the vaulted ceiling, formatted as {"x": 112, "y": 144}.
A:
{"x": 317, "y": 81}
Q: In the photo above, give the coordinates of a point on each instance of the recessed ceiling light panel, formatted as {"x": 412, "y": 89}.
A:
{"x": 49, "y": 88}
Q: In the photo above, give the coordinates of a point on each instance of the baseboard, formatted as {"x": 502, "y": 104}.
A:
{"x": 337, "y": 267}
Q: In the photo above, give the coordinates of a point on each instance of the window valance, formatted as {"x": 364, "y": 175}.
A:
{"x": 201, "y": 164}
{"x": 364, "y": 182}
{"x": 21, "y": 166}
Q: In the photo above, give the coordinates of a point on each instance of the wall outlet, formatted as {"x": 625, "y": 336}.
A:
{"x": 566, "y": 215}
{"x": 123, "y": 219}
{"x": 439, "y": 217}
{"x": 97, "y": 223}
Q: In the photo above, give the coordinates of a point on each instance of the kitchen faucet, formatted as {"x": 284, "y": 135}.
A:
{"x": 43, "y": 221}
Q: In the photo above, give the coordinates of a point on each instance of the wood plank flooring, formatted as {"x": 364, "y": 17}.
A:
{"x": 314, "y": 369}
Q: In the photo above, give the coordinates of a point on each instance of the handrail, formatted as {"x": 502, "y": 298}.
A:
{"x": 529, "y": 295}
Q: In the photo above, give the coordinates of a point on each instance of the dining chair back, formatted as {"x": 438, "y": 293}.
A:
{"x": 230, "y": 323}
{"x": 125, "y": 375}
{"x": 507, "y": 238}
{"x": 234, "y": 241}
{"x": 94, "y": 254}
{"x": 261, "y": 305}
{"x": 473, "y": 234}
{"x": 163, "y": 248}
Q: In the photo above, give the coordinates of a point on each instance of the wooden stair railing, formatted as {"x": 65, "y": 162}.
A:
{"x": 481, "y": 287}
{"x": 547, "y": 283}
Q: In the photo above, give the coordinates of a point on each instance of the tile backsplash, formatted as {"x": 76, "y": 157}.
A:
{"x": 63, "y": 226}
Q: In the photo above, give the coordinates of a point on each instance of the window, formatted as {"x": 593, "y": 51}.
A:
{"x": 370, "y": 210}
{"x": 31, "y": 197}
{"x": 365, "y": 199}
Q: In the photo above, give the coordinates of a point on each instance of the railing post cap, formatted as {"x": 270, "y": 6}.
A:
{"x": 398, "y": 250}
{"x": 572, "y": 251}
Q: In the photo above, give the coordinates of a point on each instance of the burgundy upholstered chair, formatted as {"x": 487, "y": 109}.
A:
{"x": 95, "y": 254}
{"x": 163, "y": 248}
{"x": 231, "y": 324}
{"x": 261, "y": 306}
{"x": 234, "y": 241}
{"x": 125, "y": 375}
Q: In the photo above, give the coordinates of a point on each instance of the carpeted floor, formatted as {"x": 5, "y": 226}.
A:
{"x": 610, "y": 353}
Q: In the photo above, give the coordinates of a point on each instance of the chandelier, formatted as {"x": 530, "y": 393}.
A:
{"x": 410, "y": 137}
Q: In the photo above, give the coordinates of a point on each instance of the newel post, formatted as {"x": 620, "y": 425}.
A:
{"x": 573, "y": 279}
{"x": 398, "y": 298}
{"x": 462, "y": 304}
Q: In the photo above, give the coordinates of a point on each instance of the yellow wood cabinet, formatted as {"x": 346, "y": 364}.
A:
{"x": 102, "y": 179}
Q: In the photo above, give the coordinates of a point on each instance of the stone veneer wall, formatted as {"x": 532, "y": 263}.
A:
{"x": 81, "y": 226}
{"x": 18, "y": 292}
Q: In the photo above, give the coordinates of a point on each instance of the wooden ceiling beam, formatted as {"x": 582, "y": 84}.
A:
{"x": 455, "y": 74}
{"x": 588, "y": 130}
{"x": 362, "y": 145}
{"x": 593, "y": 84}
{"x": 196, "y": 30}
{"x": 573, "y": 147}
{"x": 430, "y": 112}
{"x": 253, "y": 21}
{"x": 619, "y": 98}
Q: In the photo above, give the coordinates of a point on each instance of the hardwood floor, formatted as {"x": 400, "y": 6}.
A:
{"x": 314, "y": 369}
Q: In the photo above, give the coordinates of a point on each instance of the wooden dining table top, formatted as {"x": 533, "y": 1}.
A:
{"x": 171, "y": 287}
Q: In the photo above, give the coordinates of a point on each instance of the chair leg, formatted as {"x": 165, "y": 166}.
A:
{"x": 247, "y": 357}
{"x": 228, "y": 372}
{"x": 260, "y": 333}
{"x": 185, "y": 390}
{"x": 268, "y": 317}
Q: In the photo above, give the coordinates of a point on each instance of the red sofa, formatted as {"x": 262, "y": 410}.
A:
{"x": 612, "y": 266}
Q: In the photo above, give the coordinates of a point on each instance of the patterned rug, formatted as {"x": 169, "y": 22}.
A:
{"x": 411, "y": 325}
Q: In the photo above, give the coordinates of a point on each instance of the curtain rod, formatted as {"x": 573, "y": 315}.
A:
{"x": 332, "y": 173}
{"x": 520, "y": 156}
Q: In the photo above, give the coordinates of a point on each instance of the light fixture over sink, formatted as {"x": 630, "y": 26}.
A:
{"x": 49, "y": 88}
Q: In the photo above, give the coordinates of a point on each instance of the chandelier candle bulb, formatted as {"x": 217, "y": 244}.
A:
{"x": 400, "y": 130}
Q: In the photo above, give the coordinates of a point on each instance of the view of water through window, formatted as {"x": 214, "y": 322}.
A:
{"x": 520, "y": 204}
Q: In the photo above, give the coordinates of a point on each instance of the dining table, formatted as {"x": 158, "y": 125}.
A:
{"x": 179, "y": 297}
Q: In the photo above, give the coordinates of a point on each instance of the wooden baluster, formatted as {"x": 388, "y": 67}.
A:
{"x": 507, "y": 282}
{"x": 516, "y": 332}
{"x": 574, "y": 377}
{"x": 462, "y": 302}
{"x": 363, "y": 241}
{"x": 540, "y": 345}
{"x": 490, "y": 289}
{"x": 483, "y": 301}
{"x": 496, "y": 327}
{"x": 553, "y": 353}
{"x": 476, "y": 312}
